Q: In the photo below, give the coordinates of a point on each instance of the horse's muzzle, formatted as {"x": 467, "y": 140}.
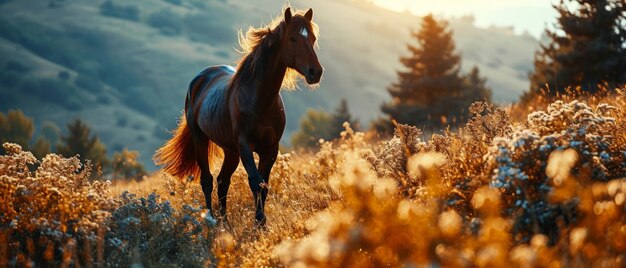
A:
{"x": 314, "y": 75}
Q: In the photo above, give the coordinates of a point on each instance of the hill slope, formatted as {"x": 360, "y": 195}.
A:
{"x": 124, "y": 66}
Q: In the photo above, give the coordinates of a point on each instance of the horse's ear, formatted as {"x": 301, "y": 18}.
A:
{"x": 309, "y": 14}
{"x": 274, "y": 36}
{"x": 288, "y": 15}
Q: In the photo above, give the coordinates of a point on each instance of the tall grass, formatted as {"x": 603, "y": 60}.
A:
{"x": 542, "y": 185}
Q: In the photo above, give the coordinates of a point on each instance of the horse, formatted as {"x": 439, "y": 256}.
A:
{"x": 240, "y": 110}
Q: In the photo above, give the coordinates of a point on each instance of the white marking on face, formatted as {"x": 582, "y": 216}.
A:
{"x": 304, "y": 32}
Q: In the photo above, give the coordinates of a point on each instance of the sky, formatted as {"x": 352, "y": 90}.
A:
{"x": 523, "y": 15}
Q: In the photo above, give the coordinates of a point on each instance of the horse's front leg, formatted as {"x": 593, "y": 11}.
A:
{"x": 254, "y": 177}
{"x": 266, "y": 162}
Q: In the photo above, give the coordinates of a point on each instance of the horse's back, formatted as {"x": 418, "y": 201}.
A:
{"x": 216, "y": 70}
{"x": 207, "y": 102}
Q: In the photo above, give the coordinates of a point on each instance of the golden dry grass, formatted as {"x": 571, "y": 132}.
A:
{"x": 511, "y": 188}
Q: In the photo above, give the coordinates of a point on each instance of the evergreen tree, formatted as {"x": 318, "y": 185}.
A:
{"x": 318, "y": 124}
{"x": 314, "y": 125}
{"x": 80, "y": 141}
{"x": 475, "y": 87}
{"x": 342, "y": 114}
{"x": 586, "y": 49}
{"x": 431, "y": 94}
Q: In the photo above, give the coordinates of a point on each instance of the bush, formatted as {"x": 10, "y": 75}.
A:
{"x": 124, "y": 165}
{"x": 57, "y": 216}
{"x": 39, "y": 216}
{"x": 16, "y": 127}
{"x": 12, "y": 65}
{"x": 570, "y": 141}
{"x": 494, "y": 193}
{"x": 158, "y": 233}
{"x": 122, "y": 120}
{"x": 63, "y": 75}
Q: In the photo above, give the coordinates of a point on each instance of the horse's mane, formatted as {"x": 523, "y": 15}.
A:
{"x": 256, "y": 39}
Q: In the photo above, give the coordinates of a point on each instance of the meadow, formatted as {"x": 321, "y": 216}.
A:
{"x": 542, "y": 185}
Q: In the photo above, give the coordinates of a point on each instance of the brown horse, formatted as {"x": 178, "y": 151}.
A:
{"x": 241, "y": 110}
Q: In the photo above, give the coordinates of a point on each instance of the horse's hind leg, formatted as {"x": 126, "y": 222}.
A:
{"x": 231, "y": 161}
{"x": 201, "y": 145}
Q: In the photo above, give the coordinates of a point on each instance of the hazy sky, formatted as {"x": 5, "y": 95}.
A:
{"x": 530, "y": 15}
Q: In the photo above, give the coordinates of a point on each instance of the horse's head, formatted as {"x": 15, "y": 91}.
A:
{"x": 298, "y": 40}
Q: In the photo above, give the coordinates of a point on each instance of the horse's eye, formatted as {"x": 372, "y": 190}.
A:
{"x": 293, "y": 39}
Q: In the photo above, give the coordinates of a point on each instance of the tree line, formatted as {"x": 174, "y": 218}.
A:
{"x": 585, "y": 53}
{"x": 78, "y": 141}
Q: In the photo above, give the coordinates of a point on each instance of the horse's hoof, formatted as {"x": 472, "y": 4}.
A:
{"x": 261, "y": 223}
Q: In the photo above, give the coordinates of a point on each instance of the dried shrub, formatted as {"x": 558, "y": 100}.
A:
{"x": 58, "y": 216}
{"x": 54, "y": 215}
{"x": 150, "y": 231}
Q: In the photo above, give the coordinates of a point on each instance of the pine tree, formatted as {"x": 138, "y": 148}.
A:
{"x": 587, "y": 49}
{"x": 318, "y": 124}
{"x": 342, "y": 114}
{"x": 314, "y": 125}
{"x": 475, "y": 87}
{"x": 431, "y": 94}
{"x": 80, "y": 141}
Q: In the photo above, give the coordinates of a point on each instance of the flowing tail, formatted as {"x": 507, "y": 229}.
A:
{"x": 178, "y": 155}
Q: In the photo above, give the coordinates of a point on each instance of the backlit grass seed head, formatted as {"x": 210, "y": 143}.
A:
{"x": 422, "y": 163}
{"x": 354, "y": 170}
{"x": 450, "y": 223}
{"x": 407, "y": 210}
{"x": 577, "y": 239}
{"x": 486, "y": 200}
{"x": 385, "y": 188}
{"x": 560, "y": 162}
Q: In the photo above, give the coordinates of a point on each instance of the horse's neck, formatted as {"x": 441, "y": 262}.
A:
{"x": 272, "y": 73}
{"x": 272, "y": 78}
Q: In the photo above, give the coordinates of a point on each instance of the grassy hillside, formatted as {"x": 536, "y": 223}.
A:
{"x": 124, "y": 66}
{"x": 536, "y": 186}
